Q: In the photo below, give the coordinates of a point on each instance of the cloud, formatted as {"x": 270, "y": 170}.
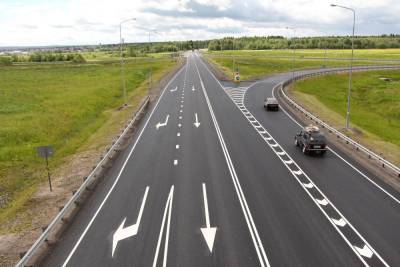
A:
{"x": 46, "y": 22}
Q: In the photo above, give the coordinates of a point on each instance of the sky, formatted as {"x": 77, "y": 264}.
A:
{"x": 80, "y": 22}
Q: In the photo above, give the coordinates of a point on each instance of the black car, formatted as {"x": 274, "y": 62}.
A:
{"x": 310, "y": 139}
{"x": 271, "y": 104}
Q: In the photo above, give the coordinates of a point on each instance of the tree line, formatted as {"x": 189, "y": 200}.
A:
{"x": 43, "y": 57}
{"x": 280, "y": 42}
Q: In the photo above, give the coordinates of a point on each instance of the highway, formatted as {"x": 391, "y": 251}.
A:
{"x": 212, "y": 179}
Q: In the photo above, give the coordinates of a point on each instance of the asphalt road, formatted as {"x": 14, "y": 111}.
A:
{"x": 211, "y": 179}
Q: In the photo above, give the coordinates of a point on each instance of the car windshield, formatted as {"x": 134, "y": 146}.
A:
{"x": 318, "y": 136}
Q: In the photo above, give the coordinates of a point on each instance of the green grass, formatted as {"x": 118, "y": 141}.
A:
{"x": 63, "y": 105}
{"x": 256, "y": 63}
{"x": 375, "y": 103}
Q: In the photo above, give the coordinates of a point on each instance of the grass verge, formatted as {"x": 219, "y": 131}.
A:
{"x": 255, "y": 63}
{"x": 73, "y": 107}
{"x": 375, "y": 106}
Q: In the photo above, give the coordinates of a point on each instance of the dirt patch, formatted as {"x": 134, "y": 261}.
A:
{"x": 45, "y": 205}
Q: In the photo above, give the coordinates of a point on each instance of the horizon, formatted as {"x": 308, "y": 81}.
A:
{"x": 33, "y": 23}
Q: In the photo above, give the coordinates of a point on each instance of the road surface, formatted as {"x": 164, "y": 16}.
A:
{"x": 211, "y": 179}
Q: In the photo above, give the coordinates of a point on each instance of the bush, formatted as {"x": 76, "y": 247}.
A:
{"x": 5, "y": 60}
{"x": 78, "y": 58}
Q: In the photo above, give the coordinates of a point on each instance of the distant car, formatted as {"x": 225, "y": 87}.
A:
{"x": 310, "y": 139}
{"x": 271, "y": 104}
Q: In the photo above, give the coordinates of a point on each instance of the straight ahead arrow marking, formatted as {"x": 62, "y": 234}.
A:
{"x": 196, "y": 123}
{"x": 208, "y": 231}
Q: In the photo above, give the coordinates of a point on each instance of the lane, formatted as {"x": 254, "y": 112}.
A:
{"x": 201, "y": 161}
{"x": 290, "y": 225}
{"x": 371, "y": 210}
{"x": 162, "y": 185}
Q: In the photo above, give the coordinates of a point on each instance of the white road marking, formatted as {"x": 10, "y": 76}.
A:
{"x": 180, "y": 117}
{"x": 168, "y": 209}
{"x": 162, "y": 124}
{"x": 181, "y": 106}
{"x": 365, "y": 251}
{"x": 180, "y": 111}
{"x": 308, "y": 185}
{"x": 322, "y": 202}
{"x": 208, "y": 231}
{"x": 193, "y": 89}
{"x": 173, "y": 90}
{"x": 177, "y": 146}
{"x": 196, "y": 122}
{"x": 178, "y": 134}
{"x": 179, "y": 125}
{"x": 238, "y": 189}
{"x": 281, "y": 153}
{"x": 122, "y": 233}
{"x": 119, "y": 174}
{"x": 175, "y": 162}
{"x": 288, "y": 161}
{"x": 339, "y": 222}
{"x": 298, "y": 172}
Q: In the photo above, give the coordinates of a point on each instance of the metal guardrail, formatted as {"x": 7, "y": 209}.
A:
{"x": 358, "y": 146}
{"x": 73, "y": 200}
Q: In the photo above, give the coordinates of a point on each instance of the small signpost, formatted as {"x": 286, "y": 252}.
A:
{"x": 46, "y": 152}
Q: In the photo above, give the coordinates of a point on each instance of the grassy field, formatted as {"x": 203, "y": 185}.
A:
{"x": 255, "y": 63}
{"x": 375, "y": 105}
{"x": 62, "y": 105}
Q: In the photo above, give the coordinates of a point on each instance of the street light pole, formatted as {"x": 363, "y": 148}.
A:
{"x": 294, "y": 52}
{"x": 123, "y": 83}
{"x": 351, "y": 63}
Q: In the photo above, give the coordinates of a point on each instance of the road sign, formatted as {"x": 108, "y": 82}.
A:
{"x": 46, "y": 152}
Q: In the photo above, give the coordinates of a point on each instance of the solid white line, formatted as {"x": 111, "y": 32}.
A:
{"x": 119, "y": 174}
{"x": 242, "y": 200}
{"x": 206, "y": 206}
{"x": 340, "y": 157}
{"x": 168, "y": 208}
{"x": 168, "y": 227}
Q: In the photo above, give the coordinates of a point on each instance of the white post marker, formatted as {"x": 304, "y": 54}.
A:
{"x": 131, "y": 230}
{"x": 173, "y": 90}
{"x": 196, "y": 123}
{"x": 162, "y": 124}
{"x": 208, "y": 231}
